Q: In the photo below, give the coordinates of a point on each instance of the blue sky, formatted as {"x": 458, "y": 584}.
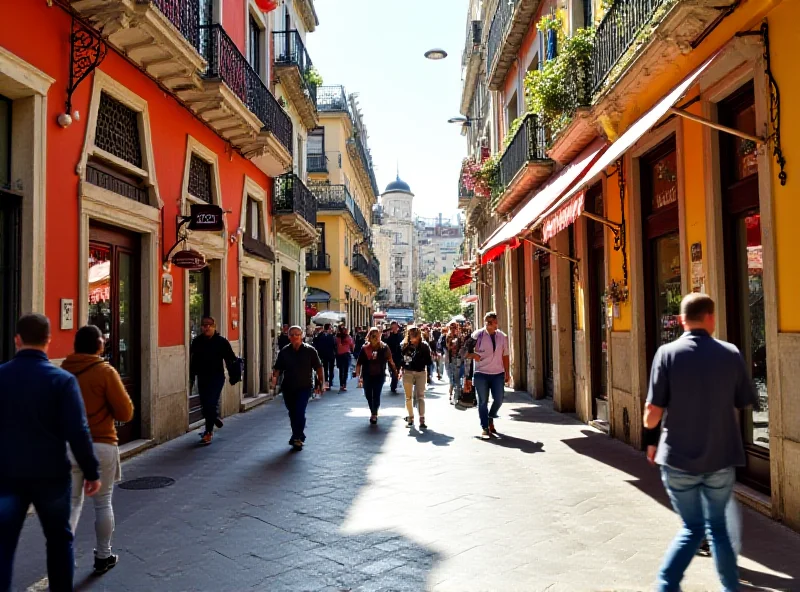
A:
{"x": 375, "y": 48}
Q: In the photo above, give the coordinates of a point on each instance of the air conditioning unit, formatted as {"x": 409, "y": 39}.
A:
{"x": 476, "y": 33}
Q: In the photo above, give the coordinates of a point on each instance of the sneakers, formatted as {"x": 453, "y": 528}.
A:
{"x": 422, "y": 425}
{"x": 492, "y": 428}
{"x": 218, "y": 422}
{"x": 373, "y": 420}
{"x": 409, "y": 422}
{"x": 297, "y": 445}
{"x": 101, "y": 566}
{"x": 206, "y": 438}
{"x": 485, "y": 434}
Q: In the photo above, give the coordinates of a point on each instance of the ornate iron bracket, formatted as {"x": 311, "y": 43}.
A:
{"x": 87, "y": 52}
{"x": 180, "y": 222}
{"x": 620, "y": 236}
{"x": 774, "y": 100}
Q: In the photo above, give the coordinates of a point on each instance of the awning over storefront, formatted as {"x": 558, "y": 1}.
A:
{"x": 461, "y": 276}
{"x": 316, "y": 295}
{"x": 507, "y": 234}
{"x": 570, "y": 205}
{"x": 468, "y": 299}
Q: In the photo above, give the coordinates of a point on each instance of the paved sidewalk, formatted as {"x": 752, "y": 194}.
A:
{"x": 552, "y": 505}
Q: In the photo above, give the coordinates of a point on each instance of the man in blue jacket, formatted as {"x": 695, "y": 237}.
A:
{"x": 41, "y": 410}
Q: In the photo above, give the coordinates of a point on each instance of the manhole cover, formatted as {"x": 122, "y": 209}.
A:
{"x": 147, "y": 483}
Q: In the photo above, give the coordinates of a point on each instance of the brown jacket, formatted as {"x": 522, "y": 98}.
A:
{"x": 104, "y": 395}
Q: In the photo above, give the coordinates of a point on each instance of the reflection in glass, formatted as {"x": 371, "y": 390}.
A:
{"x": 752, "y": 322}
{"x": 198, "y": 305}
{"x": 100, "y": 293}
{"x": 125, "y": 281}
{"x": 667, "y": 260}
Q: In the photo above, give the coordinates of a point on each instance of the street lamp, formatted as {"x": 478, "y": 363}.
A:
{"x": 464, "y": 121}
{"x": 436, "y": 54}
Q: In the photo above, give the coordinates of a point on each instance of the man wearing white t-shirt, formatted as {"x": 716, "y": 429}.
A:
{"x": 488, "y": 348}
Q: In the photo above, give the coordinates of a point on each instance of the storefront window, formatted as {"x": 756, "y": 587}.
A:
{"x": 667, "y": 261}
{"x": 126, "y": 304}
{"x": 100, "y": 293}
{"x": 744, "y": 151}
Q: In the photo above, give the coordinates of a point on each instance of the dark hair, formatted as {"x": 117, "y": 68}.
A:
{"x": 208, "y": 318}
{"x": 88, "y": 340}
{"x": 696, "y": 306}
{"x": 33, "y": 329}
{"x": 490, "y": 315}
{"x": 326, "y": 326}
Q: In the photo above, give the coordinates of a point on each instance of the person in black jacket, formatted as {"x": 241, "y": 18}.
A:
{"x": 210, "y": 354}
{"x": 325, "y": 344}
{"x": 41, "y": 410}
{"x": 394, "y": 341}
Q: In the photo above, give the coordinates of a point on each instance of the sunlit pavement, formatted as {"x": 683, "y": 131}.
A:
{"x": 550, "y": 505}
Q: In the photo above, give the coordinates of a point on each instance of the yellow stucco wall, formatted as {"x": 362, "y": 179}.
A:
{"x": 694, "y": 195}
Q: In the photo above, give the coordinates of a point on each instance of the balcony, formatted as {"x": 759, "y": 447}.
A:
{"x": 638, "y": 40}
{"x": 332, "y": 99}
{"x": 316, "y": 163}
{"x": 295, "y": 209}
{"x": 296, "y": 75}
{"x": 257, "y": 248}
{"x": 510, "y": 23}
{"x": 318, "y": 262}
{"x": 471, "y": 63}
{"x": 159, "y": 36}
{"x": 464, "y": 195}
{"x": 367, "y": 271}
{"x": 331, "y": 198}
{"x": 238, "y": 106}
{"x": 524, "y": 165}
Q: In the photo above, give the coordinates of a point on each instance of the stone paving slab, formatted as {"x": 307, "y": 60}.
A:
{"x": 552, "y": 505}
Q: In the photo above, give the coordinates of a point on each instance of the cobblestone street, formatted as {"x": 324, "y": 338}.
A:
{"x": 551, "y": 505}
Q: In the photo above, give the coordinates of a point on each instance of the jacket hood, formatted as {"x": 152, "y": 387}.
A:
{"x": 78, "y": 362}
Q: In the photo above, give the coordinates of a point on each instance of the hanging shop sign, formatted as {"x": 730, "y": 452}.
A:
{"x": 189, "y": 259}
{"x": 206, "y": 217}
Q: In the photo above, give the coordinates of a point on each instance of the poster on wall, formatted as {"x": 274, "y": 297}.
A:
{"x": 698, "y": 276}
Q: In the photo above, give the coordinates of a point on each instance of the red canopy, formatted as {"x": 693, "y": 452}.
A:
{"x": 267, "y": 5}
{"x": 461, "y": 276}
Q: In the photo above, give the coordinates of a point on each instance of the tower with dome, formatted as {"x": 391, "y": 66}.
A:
{"x": 396, "y": 247}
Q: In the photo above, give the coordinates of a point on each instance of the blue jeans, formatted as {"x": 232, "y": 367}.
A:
{"x": 373, "y": 385}
{"x": 52, "y": 500}
{"x": 484, "y": 384}
{"x": 296, "y": 403}
{"x": 701, "y": 502}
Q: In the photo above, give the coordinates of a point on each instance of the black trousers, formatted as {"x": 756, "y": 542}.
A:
{"x": 328, "y": 364}
{"x": 210, "y": 389}
{"x": 398, "y": 363}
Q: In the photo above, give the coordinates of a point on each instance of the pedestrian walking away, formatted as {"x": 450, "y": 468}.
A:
{"x": 488, "y": 348}
{"x": 299, "y": 365}
{"x": 426, "y": 337}
{"x": 41, "y": 411}
{"x": 438, "y": 335}
{"x": 325, "y": 344}
{"x": 210, "y": 354}
{"x": 106, "y": 402}
{"x": 344, "y": 354}
{"x": 453, "y": 345}
{"x": 698, "y": 381}
{"x": 371, "y": 368}
{"x": 416, "y": 360}
{"x": 394, "y": 340}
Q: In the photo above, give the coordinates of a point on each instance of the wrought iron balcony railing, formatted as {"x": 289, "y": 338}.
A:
{"x": 290, "y": 50}
{"x": 318, "y": 261}
{"x": 317, "y": 163}
{"x": 528, "y": 144}
{"x": 497, "y": 30}
{"x": 227, "y": 63}
{"x": 332, "y": 99}
{"x": 615, "y": 34}
{"x": 337, "y": 197}
{"x": 368, "y": 269}
{"x": 293, "y": 197}
{"x": 184, "y": 14}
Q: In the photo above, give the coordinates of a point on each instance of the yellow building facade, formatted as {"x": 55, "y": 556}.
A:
{"x": 343, "y": 272}
{"x": 679, "y": 154}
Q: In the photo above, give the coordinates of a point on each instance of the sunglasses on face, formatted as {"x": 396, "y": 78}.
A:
{"x": 207, "y": 325}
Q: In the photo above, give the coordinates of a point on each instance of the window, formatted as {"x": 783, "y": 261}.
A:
{"x": 255, "y": 220}
{"x": 200, "y": 179}
{"x": 320, "y": 247}
{"x": 511, "y": 112}
{"x": 254, "y": 50}
{"x": 316, "y": 150}
{"x": 117, "y": 130}
{"x": 444, "y": 270}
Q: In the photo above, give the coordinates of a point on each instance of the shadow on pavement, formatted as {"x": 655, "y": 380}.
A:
{"x": 526, "y": 446}
{"x": 245, "y": 513}
{"x": 765, "y": 541}
{"x": 431, "y": 436}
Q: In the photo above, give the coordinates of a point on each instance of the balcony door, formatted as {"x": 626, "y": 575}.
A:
{"x": 597, "y": 318}
{"x": 744, "y": 287}
{"x": 547, "y": 324}
{"x": 114, "y": 307}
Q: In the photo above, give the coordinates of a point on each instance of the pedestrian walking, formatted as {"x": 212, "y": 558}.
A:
{"x": 426, "y": 336}
{"x": 698, "y": 381}
{"x": 416, "y": 360}
{"x": 210, "y": 354}
{"x": 41, "y": 411}
{"x": 106, "y": 402}
{"x": 283, "y": 338}
{"x": 454, "y": 346}
{"x": 344, "y": 354}
{"x": 395, "y": 340}
{"x": 359, "y": 338}
{"x": 437, "y": 333}
{"x": 371, "y": 368}
{"x": 488, "y": 349}
{"x": 325, "y": 344}
{"x": 298, "y": 363}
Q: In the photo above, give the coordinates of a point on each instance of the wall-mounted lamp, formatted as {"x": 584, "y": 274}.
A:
{"x": 236, "y": 234}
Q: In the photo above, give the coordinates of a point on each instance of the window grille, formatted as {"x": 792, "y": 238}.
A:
{"x": 200, "y": 179}
{"x": 117, "y": 130}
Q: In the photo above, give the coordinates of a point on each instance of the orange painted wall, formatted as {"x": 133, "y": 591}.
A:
{"x": 170, "y": 124}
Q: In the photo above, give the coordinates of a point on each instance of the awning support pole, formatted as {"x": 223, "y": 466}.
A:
{"x": 547, "y": 249}
{"x": 717, "y": 126}
{"x": 614, "y": 227}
